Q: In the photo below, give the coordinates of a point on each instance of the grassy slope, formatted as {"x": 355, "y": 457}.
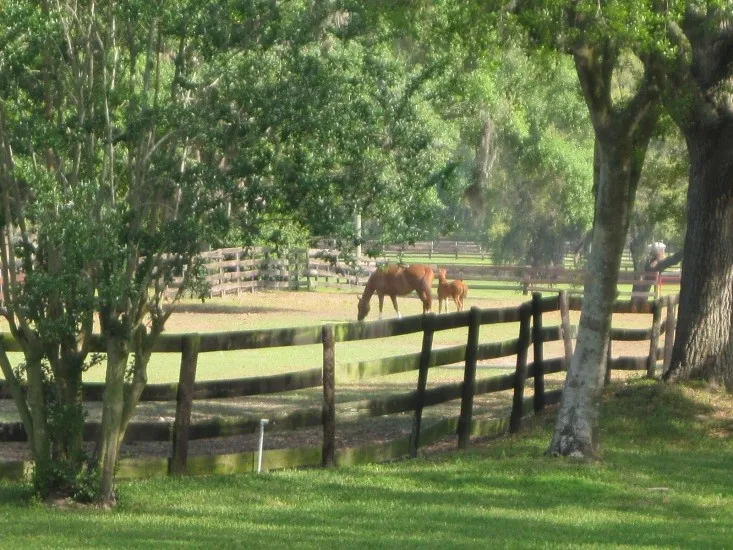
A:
{"x": 666, "y": 480}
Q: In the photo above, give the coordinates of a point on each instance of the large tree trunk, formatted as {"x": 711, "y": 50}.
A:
{"x": 576, "y": 427}
{"x": 703, "y": 346}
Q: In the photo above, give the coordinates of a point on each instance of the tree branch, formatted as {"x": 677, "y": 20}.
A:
{"x": 596, "y": 90}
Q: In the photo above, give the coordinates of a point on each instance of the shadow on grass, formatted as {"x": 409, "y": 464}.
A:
{"x": 667, "y": 435}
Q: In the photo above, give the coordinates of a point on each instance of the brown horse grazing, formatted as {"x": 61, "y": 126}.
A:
{"x": 396, "y": 281}
{"x": 456, "y": 290}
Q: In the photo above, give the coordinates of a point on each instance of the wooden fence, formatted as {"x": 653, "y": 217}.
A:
{"x": 442, "y": 247}
{"x": 466, "y": 249}
{"x": 532, "y": 332}
{"x": 239, "y": 270}
{"x": 236, "y": 270}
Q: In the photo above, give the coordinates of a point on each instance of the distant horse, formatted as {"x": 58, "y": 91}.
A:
{"x": 396, "y": 281}
{"x": 456, "y": 290}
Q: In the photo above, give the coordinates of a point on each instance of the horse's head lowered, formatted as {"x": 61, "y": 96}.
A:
{"x": 363, "y": 309}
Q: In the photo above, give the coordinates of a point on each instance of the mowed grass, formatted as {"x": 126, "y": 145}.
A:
{"x": 665, "y": 480}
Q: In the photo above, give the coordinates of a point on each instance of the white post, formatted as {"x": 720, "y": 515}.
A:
{"x": 263, "y": 423}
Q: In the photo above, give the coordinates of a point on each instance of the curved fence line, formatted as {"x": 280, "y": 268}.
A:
{"x": 531, "y": 332}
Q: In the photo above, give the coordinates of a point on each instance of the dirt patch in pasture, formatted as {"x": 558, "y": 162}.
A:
{"x": 271, "y": 309}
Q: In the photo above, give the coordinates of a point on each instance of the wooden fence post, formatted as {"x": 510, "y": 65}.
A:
{"x": 254, "y": 277}
{"x": 525, "y": 282}
{"x": 651, "y": 362}
{"x": 422, "y": 380}
{"x": 669, "y": 330}
{"x": 537, "y": 344}
{"x": 184, "y": 400}
{"x": 238, "y": 275}
{"x": 520, "y": 374}
{"x": 221, "y": 274}
{"x": 609, "y": 361}
{"x": 567, "y": 337}
{"x": 329, "y": 397}
{"x": 469, "y": 378}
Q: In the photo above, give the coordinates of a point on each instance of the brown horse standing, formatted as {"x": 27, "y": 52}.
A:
{"x": 456, "y": 290}
{"x": 396, "y": 281}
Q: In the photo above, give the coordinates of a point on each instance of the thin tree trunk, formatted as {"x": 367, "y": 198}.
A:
{"x": 576, "y": 427}
{"x": 112, "y": 415}
{"x": 703, "y": 347}
{"x": 622, "y": 138}
{"x": 653, "y": 266}
{"x": 73, "y": 440}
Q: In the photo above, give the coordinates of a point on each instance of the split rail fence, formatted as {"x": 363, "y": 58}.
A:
{"x": 237, "y": 270}
{"x": 532, "y": 333}
{"x": 464, "y": 249}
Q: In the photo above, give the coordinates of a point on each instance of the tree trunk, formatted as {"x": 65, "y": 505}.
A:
{"x": 653, "y": 266}
{"x": 112, "y": 415}
{"x": 71, "y": 445}
{"x": 703, "y": 347}
{"x": 576, "y": 427}
{"x": 622, "y": 138}
{"x": 40, "y": 443}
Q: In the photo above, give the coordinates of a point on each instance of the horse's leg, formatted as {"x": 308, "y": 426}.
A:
{"x": 381, "y": 305}
{"x": 396, "y": 308}
{"x": 427, "y": 303}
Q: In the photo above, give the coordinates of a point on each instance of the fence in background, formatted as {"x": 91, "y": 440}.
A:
{"x": 531, "y": 332}
{"x": 237, "y": 270}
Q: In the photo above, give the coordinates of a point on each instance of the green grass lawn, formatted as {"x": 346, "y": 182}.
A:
{"x": 665, "y": 481}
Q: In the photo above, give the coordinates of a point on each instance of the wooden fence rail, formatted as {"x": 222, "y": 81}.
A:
{"x": 237, "y": 270}
{"x": 532, "y": 332}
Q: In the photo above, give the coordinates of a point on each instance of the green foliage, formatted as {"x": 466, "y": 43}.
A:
{"x": 335, "y": 121}
{"x": 538, "y": 193}
{"x": 660, "y": 209}
{"x": 108, "y": 189}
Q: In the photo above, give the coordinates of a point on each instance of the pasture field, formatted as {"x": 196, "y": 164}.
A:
{"x": 273, "y": 309}
{"x": 665, "y": 480}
